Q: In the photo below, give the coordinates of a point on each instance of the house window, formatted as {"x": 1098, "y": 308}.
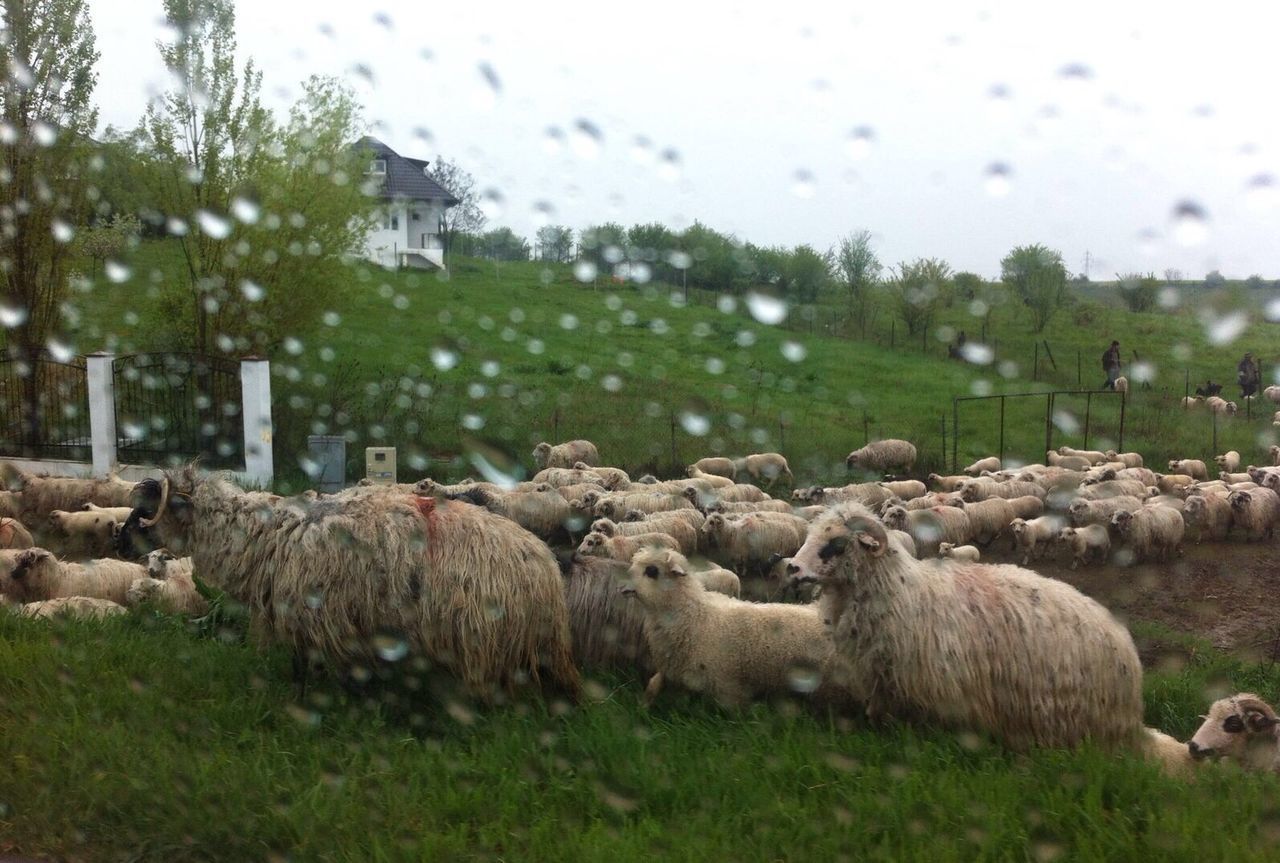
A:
{"x": 378, "y": 166}
{"x": 417, "y": 217}
{"x": 390, "y": 221}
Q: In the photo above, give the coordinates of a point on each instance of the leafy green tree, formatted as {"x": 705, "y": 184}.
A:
{"x": 720, "y": 262}
{"x": 1138, "y": 291}
{"x": 808, "y": 273}
{"x": 1037, "y": 277}
{"x": 110, "y": 239}
{"x": 555, "y": 244}
{"x": 1255, "y": 282}
{"x": 603, "y": 245}
{"x": 968, "y": 286}
{"x": 918, "y": 290}
{"x": 464, "y": 217}
{"x": 502, "y": 244}
{"x": 47, "y": 57}
{"x": 265, "y": 214}
{"x": 651, "y": 244}
{"x": 858, "y": 271}
{"x": 1215, "y": 279}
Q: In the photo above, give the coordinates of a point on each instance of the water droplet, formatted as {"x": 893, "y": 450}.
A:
{"x": 1262, "y": 192}
{"x": 60, "y": 351}
{"x": 744, "y": 338}
{"x": 1066, "y": 422}
{"x": 1169, "y": 297}
{"x": 860, "y": 141}
{"x": 584, "y": 271}
{"x": 803, "y": 184}
{"x": 293, "y": 346}
{"x": 62, "y": 232}
{"x": 490, "y": 78}
{"x": 12, "y": 316}
{"x": 642, "y": 150}
{"x": 543, "y": 211}
{"x": 726, "y": 304}
{"x": 552, "y": 141}
{"x": 443, "y": 358}
{"x": 679, "y": 259}
{"x": 669, "y": 165}
{"x": 695, "y": 422}
{"x": 996, "y": 180}
{"x": 1142, "y": 372}
{"x": 803, "y": 680}
{"x": 45, "y": 135}
{"x": 999, "y": 92}
{"x": 383, "y": 20}
{"x": 1272, "y": 311}
{"x": 611, "y": 383}
{"x": 568, "y": 322}
{"x": 245, "y": 210}
{"x": 1076, "y": 72}
{"x": 176, "y": 226}
{"x": 213, "y": 225}
{"x": 715, "y": 365}
{"x": 794, "y": 351}
{"x": 491, "y": 202}
{"x": 116, "y": 271}
{"x": 1190, "y": 223}
{"x": 978, "y": 354}
{"x": 982, "y": 387}
{"x": 535, "y": 346}
{"x": 586, "y": 138}
{"x": 331, "y": 319}
{"x": 766, "y": 309}
{"x": 472, "y": 422}
{"x": 252, "y": 291}
{"x": 1225, "y": 329}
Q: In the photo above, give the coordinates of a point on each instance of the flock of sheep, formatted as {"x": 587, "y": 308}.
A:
{"x": 1218, "y": 405}
{"x": 871, "y": 596}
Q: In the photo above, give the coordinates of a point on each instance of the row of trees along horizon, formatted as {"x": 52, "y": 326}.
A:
{"x": 265, "y": 211}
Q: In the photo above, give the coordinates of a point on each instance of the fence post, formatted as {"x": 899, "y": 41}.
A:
{"x": 1048, "y": 352}
{"x": 924, "y": 341}
{"x": 893, "y": 331}
{"x": 782, "y": 434}
{"x": 1035, "y": 362}
{"x": 255, "y": 392}
{"x": 1088, "y": 403}
{"x": 866, "y": 429}
{"x": 102, "y": 411}
{"x": 1124, "y": 397}
{"x": 675, "y": 459}
{"x": 1186, "y": 388}
{"x": 1215, "y": 431}
{"x": 1001, "y": 453}
{"x": 944, "y": 440}
{"x": 1048, "y": 423}
{"x": 1079, "y": 371}
{"x": 955, "y": 432}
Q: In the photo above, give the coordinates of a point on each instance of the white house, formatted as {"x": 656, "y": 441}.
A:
{"x": 411, "y": 212}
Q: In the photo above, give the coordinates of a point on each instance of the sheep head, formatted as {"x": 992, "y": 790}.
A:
{"x": 656, "y": 574}
{"x": 634, "y": 515}
{"x": 593, "y": 545}
{"x": 895, "y": 517}
{"x": 604, "y": 526}
{"x": 158, "y": 563}
{"x": 1233, "y": 726}
{"x": 839, "y": 544}
{"x": 1122, "y": 521}
{"x": 945, "y": 549}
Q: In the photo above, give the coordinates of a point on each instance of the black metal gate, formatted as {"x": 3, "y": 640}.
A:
{"x": 172, "y": 408}
{"x": 1073, "y": 414}
{"x": 44, "y": 409}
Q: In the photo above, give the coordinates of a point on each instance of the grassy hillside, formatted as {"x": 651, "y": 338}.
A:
{"x": 135, "y": 739}
{"x": 492, "y": 360}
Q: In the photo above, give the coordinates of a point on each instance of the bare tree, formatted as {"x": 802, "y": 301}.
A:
{"x": 1172, "y": 275}
{"x": 858, "y": 269}
{"x": 555, "y": 243}
{"x": 464, "y": 217}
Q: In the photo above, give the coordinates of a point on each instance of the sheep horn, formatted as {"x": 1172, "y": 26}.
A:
{"x": 1257, "y": 704}
{"x": 164, "y": 504}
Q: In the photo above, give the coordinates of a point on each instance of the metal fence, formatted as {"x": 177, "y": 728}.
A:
{"x": 1062, "y": 419}
{"x": 44, "y": 409}
{"x": 176, "y": 407}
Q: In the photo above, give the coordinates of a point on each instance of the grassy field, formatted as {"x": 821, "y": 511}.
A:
{"x": 136, "y": 739}
{"x": 493, "y": 360}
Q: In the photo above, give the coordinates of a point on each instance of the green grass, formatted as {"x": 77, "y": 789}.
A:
{"x": 135, "y": 739}
{"x": 492, "y": 361}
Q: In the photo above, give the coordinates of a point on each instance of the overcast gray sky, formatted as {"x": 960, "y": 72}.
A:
{"x": 1101, "y": 117}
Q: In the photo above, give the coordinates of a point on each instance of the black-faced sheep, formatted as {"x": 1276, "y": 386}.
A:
{"x": 566, "y": 454}
{"x": 1255, "y": 511}
{"x": 883, "y": 456}
{"x": 471, "y": 592}
{"x": 727, "y": 649}
{"x": 995, "y": 648}
{"x": 1243, "y": 728}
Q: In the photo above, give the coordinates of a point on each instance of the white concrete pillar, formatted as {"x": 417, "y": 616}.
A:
{"x": 102, "y": 412}
{"x": 255, "y": 391}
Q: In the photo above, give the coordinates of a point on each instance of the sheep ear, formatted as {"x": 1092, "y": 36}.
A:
{"x": 871, "y": 543}
{"x": 1259, "y": 721}
{"x": 677, "y": 572}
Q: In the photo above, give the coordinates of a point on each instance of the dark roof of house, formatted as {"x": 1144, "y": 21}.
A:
{"x": 405, "y": 178}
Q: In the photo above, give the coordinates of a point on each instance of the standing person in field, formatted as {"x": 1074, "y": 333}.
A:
{"x": 1249, "y": 376}
{"x": 1111, "y": 364}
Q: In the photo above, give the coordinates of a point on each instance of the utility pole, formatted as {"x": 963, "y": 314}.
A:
{"x": 1086, "y": 265}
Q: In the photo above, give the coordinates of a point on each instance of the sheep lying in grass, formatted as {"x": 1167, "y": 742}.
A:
{"x": 1088, "y": 544}
{"x": 623, "y": 547}
{"x": 1172, "y": 755}
{"x": 730, "y": 650}
{"x": 1093, "y": 456}
{"x": 35, "y": 574}
{"x": 968, "y": 553}
{"x": 1255, "y": 511}
{"x": 989, "y": 463}
{"x": 75, "y": 607}
{"x": 993, "y": 648}
{"x": 883, "y": 456}
{"x": 566, "y": 454}
{"x": 1149, "y": 532}
{"x": 14, "y": 535}
{"x": 169, "y": 585}
{"x": 1243, "y": 728}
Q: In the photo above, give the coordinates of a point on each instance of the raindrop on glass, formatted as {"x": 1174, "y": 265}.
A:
{"x": 611, "y": 383}
{"x": 1261, "y": 192}
{"x": 245, "y": 210}
{"x": 252, "y": 291}
{"x": 860, "y": 142}
{"x": 680, "y": 260}
{"x": 803, "y": 680}
{"x": 116, "y": 271}
{"x": 45, "y": 135}
{"x": 584, "y": 271}
{"x": 491, "y": 203}
{"x": 552, "y": 141}
{"x": 726, "y": 304}
{"x": 62, "y": 232}
{"x": 543, "y": 211}
{"x": 669, "y": 165}
{"x": 996, "y": 179}
{"x": 12, "y": 316}
{"x": 695, "y": 422}
{"x": 803, "y": 184}
{"x": 391, "y": 648}
{"x": 586, "y": 138}
{"x": 1190, "y": 223}
{"x": 443, "y": 358}
{"x": 1226, "y": 329}
{"x": 1075, "y": 72}
{"x": 490, "y": 78}
{"x": 642, "y": 150}
{"x": 213, "y": 225}
{"x": 331, "y": 319}
{"x": 794, "y": 351}
{"x": 766, "y": 309}
{"x": 978, "y": 354}
{"x": 60, "y": 351}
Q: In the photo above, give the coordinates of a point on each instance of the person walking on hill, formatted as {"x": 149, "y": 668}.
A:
{"x": 1249, "y": 376}
{"x": 1111, "y": 364}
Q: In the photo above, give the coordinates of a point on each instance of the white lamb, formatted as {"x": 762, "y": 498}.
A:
{"x": 883, "y": 456}
{"x": 1034, "y": 536}
{"x": 1228, "y": 461}
{"x": 1091, "y": 542}
{"x": 968, "y": 553}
